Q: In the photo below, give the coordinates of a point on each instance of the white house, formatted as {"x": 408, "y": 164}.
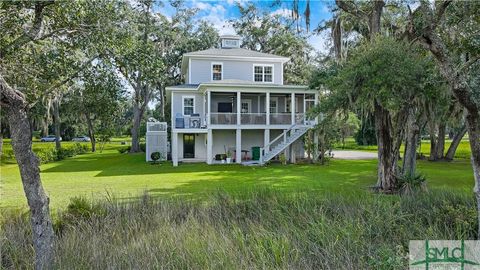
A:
{"x": 234, "y": 102}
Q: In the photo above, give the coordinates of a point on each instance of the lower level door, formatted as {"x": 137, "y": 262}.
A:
{"x": 188, "y": 145}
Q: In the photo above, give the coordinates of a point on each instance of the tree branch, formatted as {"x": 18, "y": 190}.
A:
{"x": 468, "y": 64}
{"x": 29, "y": 35}
{"x": 349, "y": 7}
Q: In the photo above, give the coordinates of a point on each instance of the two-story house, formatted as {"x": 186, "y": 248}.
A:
{"x": 234, "y": 103}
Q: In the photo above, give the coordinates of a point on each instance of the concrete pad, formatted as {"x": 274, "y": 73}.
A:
{"x": 352, "y": 154}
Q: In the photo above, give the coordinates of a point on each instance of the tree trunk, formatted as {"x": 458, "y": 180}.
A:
{"x": 91, "y": 132}
{"x": 387, "y": 158}
{"x": 457, "y": 138}
{"x": 410, "y": 158}
{"x": 137, "y": 118}
{"x": 46, "y": 119}
{"x": 56, "y": 122}
{"x": 1, "y": 143}
{"x": 440, "y": 145}
{"x": 42, "y": 231}
{"x": 473, "y": 125}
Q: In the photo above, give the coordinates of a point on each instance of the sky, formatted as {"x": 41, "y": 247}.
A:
{"x": 218, "y": 13}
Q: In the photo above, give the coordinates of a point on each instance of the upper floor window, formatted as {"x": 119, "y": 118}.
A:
{"x": 263, "y": 73}
{"x": 217, "y": 71}
{"x": 188, "y": 105}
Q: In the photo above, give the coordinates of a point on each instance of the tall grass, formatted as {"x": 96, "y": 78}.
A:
{"x": 263, "y": 229}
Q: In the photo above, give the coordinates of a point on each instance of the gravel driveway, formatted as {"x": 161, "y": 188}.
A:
{"x": 351, "y": 154}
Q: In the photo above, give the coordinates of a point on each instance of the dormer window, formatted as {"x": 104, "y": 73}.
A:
{"x": 217, "y": 71}
{"x": 263, "y": 73}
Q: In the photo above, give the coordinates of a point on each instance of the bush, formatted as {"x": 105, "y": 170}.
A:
{"x": 411, "y": 184}
{"x": 123, "y": 150}
{"x": 46, "y": 155}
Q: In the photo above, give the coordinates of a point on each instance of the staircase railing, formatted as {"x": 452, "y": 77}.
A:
{"x": 266, "y": 149}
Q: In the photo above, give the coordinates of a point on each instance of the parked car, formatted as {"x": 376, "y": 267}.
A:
{"x": 81, "y": 139}
{"x": 49, "y": 138}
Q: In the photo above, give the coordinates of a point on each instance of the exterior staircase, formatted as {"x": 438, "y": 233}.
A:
{"x": 279, "y": 144}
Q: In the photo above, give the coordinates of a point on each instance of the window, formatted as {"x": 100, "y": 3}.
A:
{"x": 262, "y": 73}
{"x": 245, "y": 107}
{"x": 217, "y": 71}
{"x": 188, "y": 105}
{"x": 273, "y": 105}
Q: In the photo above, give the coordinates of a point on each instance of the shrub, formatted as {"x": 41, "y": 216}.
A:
{"x": 156, "y": 156}
{"x": 411, "y": 184}
{"x": 123, "y": 150}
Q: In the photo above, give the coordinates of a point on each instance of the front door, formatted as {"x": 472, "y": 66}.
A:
{"x": 188, "y": 145}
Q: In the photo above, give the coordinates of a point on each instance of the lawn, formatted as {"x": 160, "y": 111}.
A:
{"x": 128, "y": 176}
{"x": 272, "y": 217}
{"x": 463, "y": 150}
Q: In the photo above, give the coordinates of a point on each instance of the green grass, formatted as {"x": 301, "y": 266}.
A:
{"x": 127, "y": 176}
{"x": 264, "y": 229}
{"x": 463, "y": 150}
{"x": 136, "y": 215}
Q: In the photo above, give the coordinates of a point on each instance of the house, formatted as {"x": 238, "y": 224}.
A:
{"x": 234, "y": 104}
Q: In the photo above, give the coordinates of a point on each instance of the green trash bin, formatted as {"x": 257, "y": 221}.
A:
{"x": 256, "y": 153}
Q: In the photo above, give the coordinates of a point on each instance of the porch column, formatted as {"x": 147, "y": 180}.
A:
{"x": 238, "y": 145}
{"x": 292, "y": 108}
{"x": 266, "y": 140}
{"x": 239, "y": 107}
{"x": 209, "y": 146}
{"x": 316, "y": 103}
{"x": 175, "y": 149}
{"x": 267, "y": 108}
{"x": 209, "y": 102}
{"x": 293, "y": 158}
{"x": 285, "y": 152}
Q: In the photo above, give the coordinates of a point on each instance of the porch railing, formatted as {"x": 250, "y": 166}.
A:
{"x": 253, "y": 118}
{"x": 223, "y": 118}
{"x": 280, "y": 118}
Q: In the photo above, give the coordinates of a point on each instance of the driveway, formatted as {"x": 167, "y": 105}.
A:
{"x": 352, "y": 154}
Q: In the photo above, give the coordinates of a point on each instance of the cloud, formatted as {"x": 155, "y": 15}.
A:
{"x": 320, "y": 42}
{"x": 215, "y": 14}
{"x": 284, "y": 12}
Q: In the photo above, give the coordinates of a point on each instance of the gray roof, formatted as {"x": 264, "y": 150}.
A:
{"x": 234, "y": 52}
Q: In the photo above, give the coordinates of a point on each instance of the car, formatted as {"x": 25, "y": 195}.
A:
{"x": 50, "y": 138}
{"x": 81, "y": 139}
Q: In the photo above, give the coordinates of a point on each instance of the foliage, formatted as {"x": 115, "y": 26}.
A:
{"x": 276, "y": 35}
{"x": 257, "y": 229}
{"x": 411, "y": 184}
{"x": 155, "y": 156}
{"x": 46, "y": 155}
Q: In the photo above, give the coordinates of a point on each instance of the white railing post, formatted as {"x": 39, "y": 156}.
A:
{"x": 267, "y": 108}
{"x": 239, "y": 107}
{"x": 209, "y": 102}
{"x": 292, "y": 108}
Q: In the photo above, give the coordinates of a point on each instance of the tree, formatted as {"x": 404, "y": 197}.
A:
{"x": 276, "y": 35}
{"x": 28, "y": 28}
{"x": 382, "y": 76}
{"x": 139, "y": 60}
{"x": 452, "y": 43}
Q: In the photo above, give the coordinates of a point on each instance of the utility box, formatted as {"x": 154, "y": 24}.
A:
{"x": 156, "y": 140}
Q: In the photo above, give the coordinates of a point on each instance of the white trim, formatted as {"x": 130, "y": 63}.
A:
{"x": 189, "y": 70}
{"x": 281, "y": 75}
{"x": 183, "y": 105}
{"x": 211, "y": 70}
{"x": 263, "y": 72}
{"x": 240, "y": 58}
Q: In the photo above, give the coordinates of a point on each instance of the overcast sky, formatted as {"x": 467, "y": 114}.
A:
{"x": 220, "y": 12}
